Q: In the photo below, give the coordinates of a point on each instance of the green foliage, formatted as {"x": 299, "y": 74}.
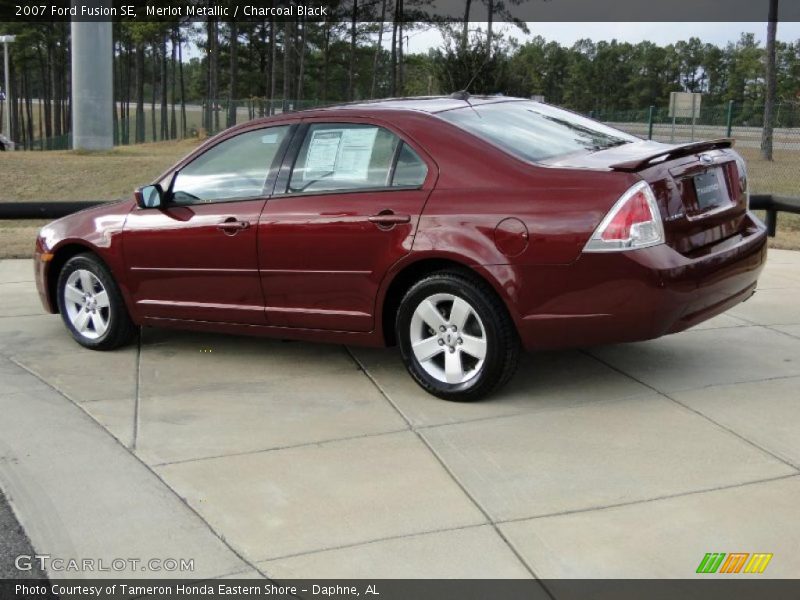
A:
{"x": 590, "y": 77}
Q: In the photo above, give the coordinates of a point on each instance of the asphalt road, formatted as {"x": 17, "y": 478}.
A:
{"x": 13, "y": 543}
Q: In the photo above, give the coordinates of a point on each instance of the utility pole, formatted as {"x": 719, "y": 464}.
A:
{"x": 92, "y": 82}
{"x": 6, "y": 40}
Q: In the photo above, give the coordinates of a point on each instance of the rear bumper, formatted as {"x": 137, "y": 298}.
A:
{"x": 635, "y": 295}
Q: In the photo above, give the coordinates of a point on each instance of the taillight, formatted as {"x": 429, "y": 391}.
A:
{"x": 633, "y": 222}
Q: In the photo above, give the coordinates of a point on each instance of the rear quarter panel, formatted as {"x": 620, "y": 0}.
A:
{"x": 480, "y": 185}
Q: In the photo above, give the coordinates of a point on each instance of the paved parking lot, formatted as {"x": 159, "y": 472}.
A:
{"x": 261, "y": 457}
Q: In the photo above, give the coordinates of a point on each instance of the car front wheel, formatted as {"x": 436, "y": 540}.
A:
{"x": 456, "y": 337}
{"x": 91, "y": 305}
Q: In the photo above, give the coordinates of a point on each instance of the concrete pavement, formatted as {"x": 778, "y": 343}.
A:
{"x": 261, "y": 457}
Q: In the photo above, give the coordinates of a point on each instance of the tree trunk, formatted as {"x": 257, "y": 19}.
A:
{"x": 267, "y": 67}
{"x": 769, "y": 100}
{"x": 139, "y": 75}
{"x": 115, "y": 77}
{"x": 153, "y": 94}
{"x": 273, "y": 66}
{"x": 490, "y": 8}
{"x": 56, "y": 86}
{"x": 215, "y": 77}
{"x": 212, "y": 58}
{"x": 173, "y": 119}
{"x": 183, "y": 85}
{"x": 287, "y": 61}
{"x": 66, "y": 95}
{"x": 351, "y": 71}
{"x": 302, "y": 60}
{"x": 377, "y": 51}
{"x": 326, "y": 60}
{"x": 45, "y": 60}
{"x": 163, "y": 90}
{"x": 126, "y": 122}
{"x": 393, "y": 69}
{"x": 465, "y": 31}
{"x": 11, "y": 101}
{"x": 401, "y": 84}
{"x": 234, "y": 64}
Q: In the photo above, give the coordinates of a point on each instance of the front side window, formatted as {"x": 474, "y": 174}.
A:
{"x": 535, "y": 131}
{"x": 344, "y": 156}
{"x": 232, "y": 170}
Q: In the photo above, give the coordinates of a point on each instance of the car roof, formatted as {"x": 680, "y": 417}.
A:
{"x": 428, "y": 104}
{"x": 418, "y": 104}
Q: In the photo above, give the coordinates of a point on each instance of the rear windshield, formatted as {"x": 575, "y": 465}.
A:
{"x": 535, "y": 131}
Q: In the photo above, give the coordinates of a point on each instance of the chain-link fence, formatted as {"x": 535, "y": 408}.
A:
{"x": 191, "y": 120}
{"x": 743, "y": 123}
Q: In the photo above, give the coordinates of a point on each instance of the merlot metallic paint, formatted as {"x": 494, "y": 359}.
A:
{"x": 315, "y": 267}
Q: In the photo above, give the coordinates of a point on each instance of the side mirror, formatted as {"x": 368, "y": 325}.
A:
{"x": 149, "y": 196}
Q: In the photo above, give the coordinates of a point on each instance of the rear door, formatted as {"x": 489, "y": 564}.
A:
{"x": 345, "y": 209}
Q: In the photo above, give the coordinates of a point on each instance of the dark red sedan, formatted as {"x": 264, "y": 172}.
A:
{"x": 462, "y": 229}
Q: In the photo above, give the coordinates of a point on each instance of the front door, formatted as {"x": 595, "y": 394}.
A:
{"x": 195, "y": 258}
{"x": 345, "y": 209}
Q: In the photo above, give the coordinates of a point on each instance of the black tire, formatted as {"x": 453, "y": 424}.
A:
{"x": 492, "y": 321}
{"x": 120, "y": 329}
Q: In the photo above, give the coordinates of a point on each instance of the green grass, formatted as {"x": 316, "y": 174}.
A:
{"x": 73, "y": 175}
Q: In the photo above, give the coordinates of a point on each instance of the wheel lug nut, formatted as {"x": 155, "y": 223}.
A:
{"x": 442, "y": 328}
{"x": 452, "y": 349}
{"x": 441, "y": 342}
{"x": 460, "y": 341}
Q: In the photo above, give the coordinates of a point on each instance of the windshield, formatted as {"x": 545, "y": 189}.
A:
{"x": 535, "y": 131}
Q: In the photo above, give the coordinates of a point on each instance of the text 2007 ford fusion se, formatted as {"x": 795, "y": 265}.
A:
{"x": 462, "y": 228}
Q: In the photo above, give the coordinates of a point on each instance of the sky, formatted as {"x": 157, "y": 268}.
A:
{"x": 659, "y": 33}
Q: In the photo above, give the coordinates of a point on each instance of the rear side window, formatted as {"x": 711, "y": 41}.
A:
{"x": 410, "y": 170}
{"x": 535, "y": 131}
{"x": 346, "y": 156}
{"x": 232, "y": 170}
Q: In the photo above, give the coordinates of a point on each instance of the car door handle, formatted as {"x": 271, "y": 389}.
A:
{"x": 232, "y": 226}
{"x": 388, "y": 219}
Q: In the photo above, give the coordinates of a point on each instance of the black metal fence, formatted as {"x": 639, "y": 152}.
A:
{"x": 772, "y": 205}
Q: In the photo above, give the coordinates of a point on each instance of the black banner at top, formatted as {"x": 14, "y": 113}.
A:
{"x": 430, "y": 11}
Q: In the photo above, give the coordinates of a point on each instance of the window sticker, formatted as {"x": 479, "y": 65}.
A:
{"x": 322, "y": 153}
{"x": 342, "y": 154}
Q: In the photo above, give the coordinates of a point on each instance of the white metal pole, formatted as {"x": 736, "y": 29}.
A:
{"x": 92, "y": 82}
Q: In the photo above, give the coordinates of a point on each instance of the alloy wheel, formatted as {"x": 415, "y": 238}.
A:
{"x": 87, "y": 304}
{"x": 448, "y": 338}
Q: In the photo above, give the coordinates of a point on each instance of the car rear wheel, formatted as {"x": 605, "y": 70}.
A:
{"x": 456, "y": 338}
{"x": 91, "y": 305}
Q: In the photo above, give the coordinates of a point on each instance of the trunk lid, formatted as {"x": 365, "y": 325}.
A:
{"x": 700, "y": 187}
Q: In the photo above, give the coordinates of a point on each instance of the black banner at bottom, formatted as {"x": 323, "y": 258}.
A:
{"x": 714, "y": 587}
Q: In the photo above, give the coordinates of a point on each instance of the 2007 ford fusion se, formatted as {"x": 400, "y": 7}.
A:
{"x": 463, "y": 229}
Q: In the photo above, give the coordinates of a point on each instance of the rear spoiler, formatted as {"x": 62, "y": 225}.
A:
{"x": 673, "y": 152}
